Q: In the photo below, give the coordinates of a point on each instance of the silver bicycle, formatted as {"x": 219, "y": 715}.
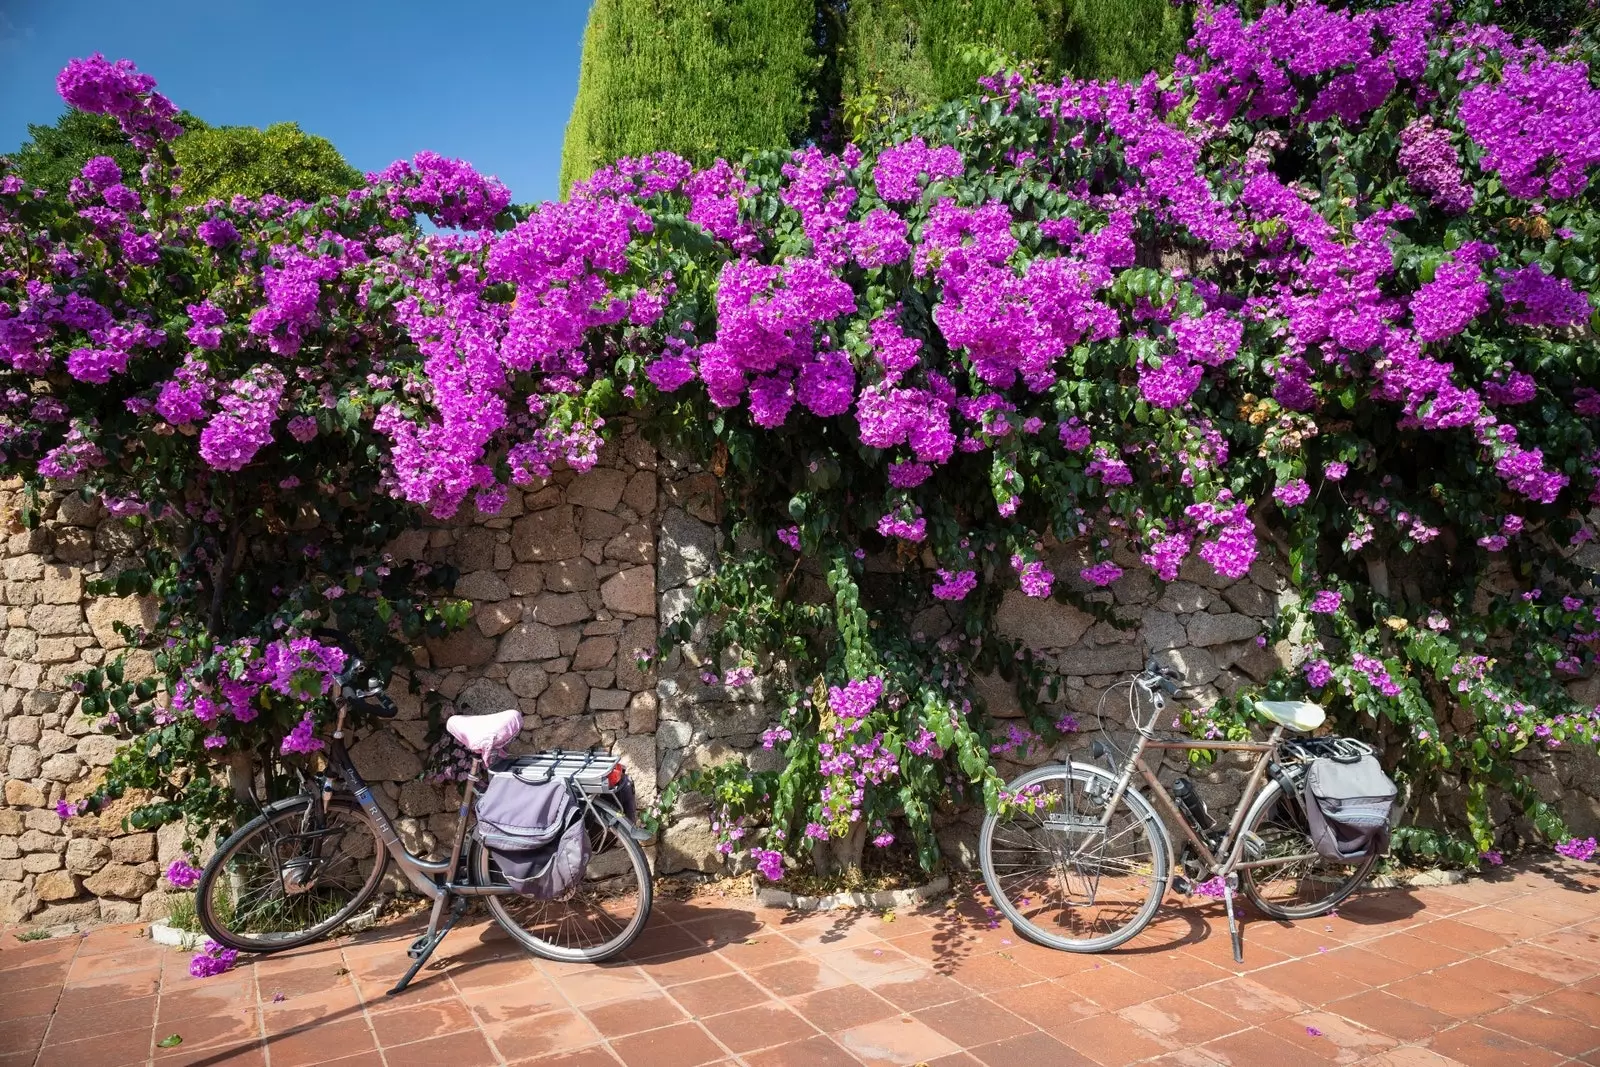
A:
{"x": 1078, "y": 858}
{"x": 309, "y": 863}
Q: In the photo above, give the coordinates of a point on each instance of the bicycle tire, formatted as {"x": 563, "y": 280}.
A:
{"x": 290, "y": 813}
{"x": 611, "y": 828}
{"x": 1145, "y": 878}
{"x": 1288, "y": 827}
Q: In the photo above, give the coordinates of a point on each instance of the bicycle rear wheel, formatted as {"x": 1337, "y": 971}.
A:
{"x": 595, "y": 919}
{"x": 1066, "y": 875}
{"x": 290, "y": 876}
{"x": 1302, "y": 884}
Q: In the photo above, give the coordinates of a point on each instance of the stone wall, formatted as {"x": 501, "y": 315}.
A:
{"x": 564, "y": 584}
{"x": 569, "y": 581}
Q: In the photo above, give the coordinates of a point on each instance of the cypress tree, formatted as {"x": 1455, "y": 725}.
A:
{"x": 698, "y": 77}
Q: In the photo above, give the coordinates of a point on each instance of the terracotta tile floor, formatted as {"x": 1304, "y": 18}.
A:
{"x": 1498, "y": 971}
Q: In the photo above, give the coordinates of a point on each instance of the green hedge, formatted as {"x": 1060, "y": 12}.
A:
{"x": 697, "y": 78}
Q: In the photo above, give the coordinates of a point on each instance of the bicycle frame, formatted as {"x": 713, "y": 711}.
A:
{"x": 1232, "y": 844}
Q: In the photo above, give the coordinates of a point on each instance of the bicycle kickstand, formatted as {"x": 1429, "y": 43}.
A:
{"x": 1235, "y": 931}
{"x": 423, "y": 946}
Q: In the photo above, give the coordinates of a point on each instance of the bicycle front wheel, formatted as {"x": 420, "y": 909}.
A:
{"x": 595, "y": 919}
{"x": 290, "y": 875}
{"x": 1294, "y": 882}
{"x": 1068, "y": 872}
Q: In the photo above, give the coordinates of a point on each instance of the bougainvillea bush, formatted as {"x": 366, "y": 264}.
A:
{"x": 1320, "y": 295}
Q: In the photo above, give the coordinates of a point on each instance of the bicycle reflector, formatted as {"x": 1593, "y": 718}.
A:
{"x": 614, "y": 779}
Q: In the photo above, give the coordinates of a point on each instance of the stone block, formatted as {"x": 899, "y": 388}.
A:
{"x": 567, "y": 695}
{"x": 642, "y": 713}
{"x": 608, "y": 699}
{"x": 551, "y": 534}
{"x": 1197, "y": 665}
{"x": 1118, "y": 659}
{"x": 638, "y": 639}
{"x": 98, "y": 750}
{"x": 10, "y": 821}
{"x": 23, "y": 730}
{"x": 528, "y": 641}
{"x": 1162, "y": 630}
{"x": 631, "y": 591}
{"x": 56, "y": 619}
{"x": 20, "y": 794}
{"x": 382, "y": 757}
{"x": 105, "y": 612}
{"x": 133, "y": 848}
{"x": 640, "y": 495}
{"x": 600, "y": 487}
{"x": 21, "y": 644}
{"x": 688, "y": 844}
{"x": 418, "y": 799}
{"x": 594, "y": 653}
{"x": 1200, "y": 572}
{"x": 1206, "y": 629}
{"x": 688, "y": 548}
{"x": 484, "y": 696}
{"x": 474, "y": 549}
{"x": 118, "y": 911}
{"x": 464, "y": 648}
{"x": 570, "y": 576}
{"x": 526, "y": 579}
{"x": 12, "y": 871}
{"x": 40, "y": 841}
{"x": 64, "y": 767}
{"x": 74, "y": 510}
{"x": 45, "y": 820}
{"x": 85, "y": 855}
{"x": 39, "y": 862}
{"x": 23, "y": 569}
{"x": 1251, "y": 600}
{"x": 52, "y": 742}
{"x": 527, "y": 680}
{"x": 1040, "y": 623}
{"x": 54, "y": 886}
{"x": 598, "y": 527}
{"x": 17, "y": 901}
{"x": 495, "y": 619}
{"x": 61, "y": 585}
{"x": 633, "y": 545}
{"x": 559, "y": 609}
{"x": 121, "y": 880}
{"x": 482, "y": 586}
{"x": 25, "y": 762}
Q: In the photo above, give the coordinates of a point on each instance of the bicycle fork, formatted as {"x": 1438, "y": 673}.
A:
{"x": 423, "y": 947}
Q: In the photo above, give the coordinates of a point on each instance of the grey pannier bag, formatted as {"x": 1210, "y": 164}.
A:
{"x": 1348, "y": 807}
{"x": 535, "y": 832}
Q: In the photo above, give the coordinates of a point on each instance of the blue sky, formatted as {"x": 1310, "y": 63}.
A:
{"x": 489, "y": 81}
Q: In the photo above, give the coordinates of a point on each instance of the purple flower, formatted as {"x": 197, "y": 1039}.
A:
{"x": 955, "y": 585}
{"x": 1318, "y": 673}
{"x": 212, "y": 959}
{"x": 1292, "y": 493}
{"x": 790, "y": 536}
{"x": 1545, "y": 301}
{"x": 102, "y": 172}
{"x": 1574, "y": 849}
{"x": 1326, "y": 601}
{"x": 1103, "y": 573}
{"x": 217, "y": 233}
{"x": 301, "y": 738}
{"x": 769, "y": 863}
{"x": 182, "y": 874}
{"x": 1034, "y": 577}
{"x": 1492, "y": 857}
{"x": 65, "y": 809}
{"x": 303, "y": 428}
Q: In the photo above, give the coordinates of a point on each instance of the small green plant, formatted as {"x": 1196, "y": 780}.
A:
{"x": 33, "y": 935}
{"x": 181, "y": 914}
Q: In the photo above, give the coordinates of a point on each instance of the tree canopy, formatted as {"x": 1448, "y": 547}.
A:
{"x": 221, "y": 162}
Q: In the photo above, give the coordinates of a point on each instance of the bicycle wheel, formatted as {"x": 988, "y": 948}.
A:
{"x": 595, "y": 919}
{"x": 1302, "y": 884}
{"x": 282, "y": 880}
{"x": 1064, "y": 874}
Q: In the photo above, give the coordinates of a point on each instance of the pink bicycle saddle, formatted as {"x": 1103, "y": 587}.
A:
{"x": 484, "y": 734}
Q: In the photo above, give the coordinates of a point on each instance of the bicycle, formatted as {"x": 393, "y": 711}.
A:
{"x": 1077, "y": 857}
{"x": 307, "y": 864}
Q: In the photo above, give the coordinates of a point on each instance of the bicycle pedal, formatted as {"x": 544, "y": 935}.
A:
{"x": 1181, "y": 884}
{"x": 419, "y": 946}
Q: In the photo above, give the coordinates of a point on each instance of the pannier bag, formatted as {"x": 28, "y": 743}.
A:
{"x": 1349, "y": 806}
{"x": 535, "y": 832}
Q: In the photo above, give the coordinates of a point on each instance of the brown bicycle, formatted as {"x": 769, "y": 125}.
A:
{"x": 1078, "y": 858}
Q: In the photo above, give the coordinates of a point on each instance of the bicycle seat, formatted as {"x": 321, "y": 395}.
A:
{"x": 1300, "y": 715}
{"x": 483, "y": 734}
